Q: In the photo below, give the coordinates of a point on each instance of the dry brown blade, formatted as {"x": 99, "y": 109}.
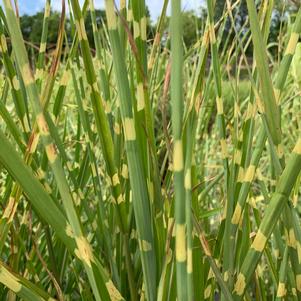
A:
{"x": 203, "y": 182}
{"x": 133, "y": 46}
{"x": 203, "y": 240}
{"x": 56, "y": 59}
{"x": 44, "y": 264}
{"x": 36, "y": 47}
{"x": 58, "y": 289}
{"x": 59, "y": 45}
{"x": 53, "y": 68}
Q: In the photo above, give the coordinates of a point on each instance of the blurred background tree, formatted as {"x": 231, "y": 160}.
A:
{"x": 193, "y": 23}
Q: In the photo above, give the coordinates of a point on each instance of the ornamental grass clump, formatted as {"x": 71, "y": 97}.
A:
{"x": 146, "y": 170}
